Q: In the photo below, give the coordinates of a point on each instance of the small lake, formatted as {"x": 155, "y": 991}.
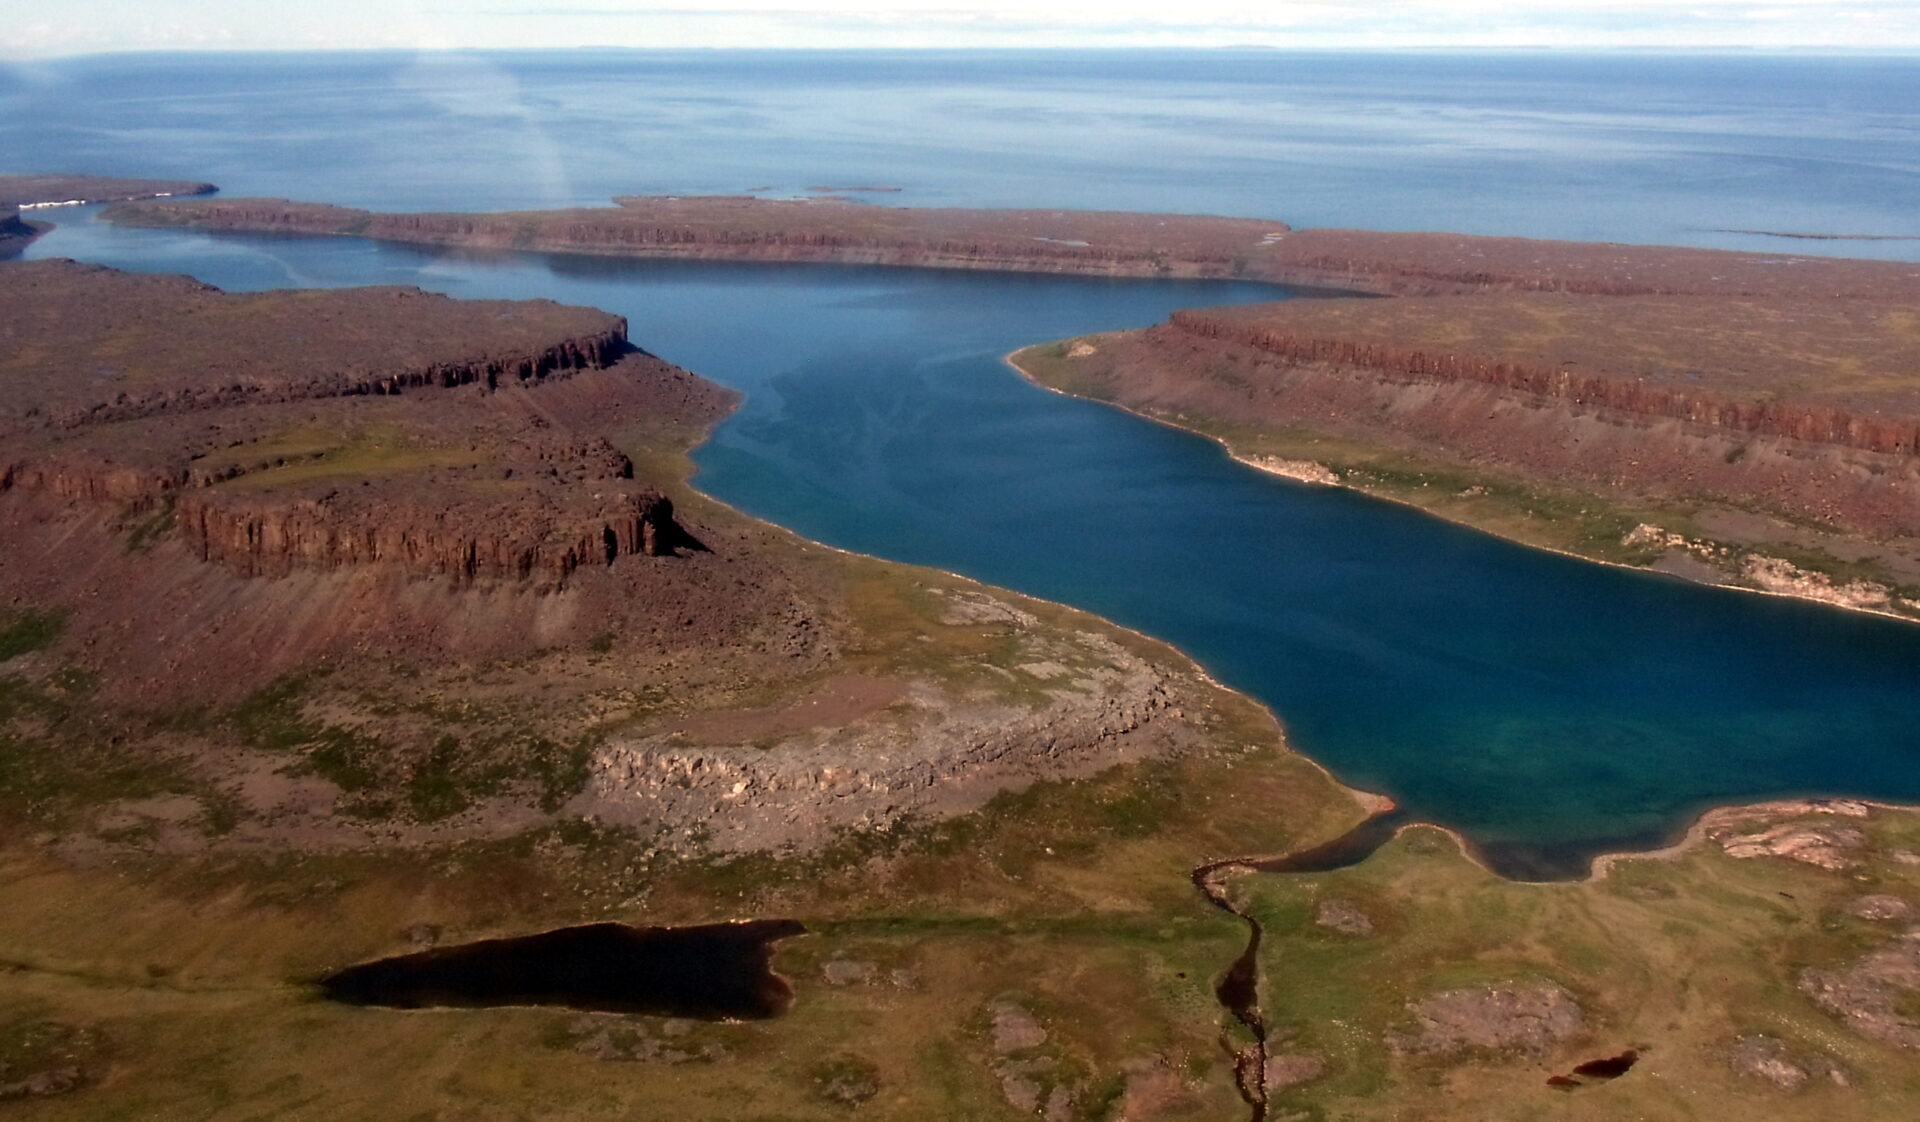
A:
{"x": 718, "y": 971}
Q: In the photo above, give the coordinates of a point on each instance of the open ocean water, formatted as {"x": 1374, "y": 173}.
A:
{"x": 1530, "y": 700}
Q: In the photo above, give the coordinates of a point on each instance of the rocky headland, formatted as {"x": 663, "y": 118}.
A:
{"x": 1740, "y": 419}
{"x": 819, "y": 230}
{"x": 36, "y": 192}
{"x": 216, "y": 494}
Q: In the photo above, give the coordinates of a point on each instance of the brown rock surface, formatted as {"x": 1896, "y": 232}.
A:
{"x": 1826, "y": 371}
{"x": 325, "y": 429}
{"x": 150, "y": 424}
{"x": 1809, "y": 409}
{"x": 1874, "y": 995}
{"x": 1528, "y": 1016}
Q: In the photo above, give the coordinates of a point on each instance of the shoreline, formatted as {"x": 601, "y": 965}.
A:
{"x": 1370, "y": 803}
{"x": 1247, "y": 461}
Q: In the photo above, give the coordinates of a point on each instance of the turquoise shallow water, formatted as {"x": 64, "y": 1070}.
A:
{"x": 1544, "y": 706}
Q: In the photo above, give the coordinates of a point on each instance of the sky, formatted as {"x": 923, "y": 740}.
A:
{"x": 66, "y": 27}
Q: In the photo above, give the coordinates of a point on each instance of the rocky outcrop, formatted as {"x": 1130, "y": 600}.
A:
{"x": 1795, "y": 420}
{"x": 1094, "y": 243}
{"x": 278, "y": 431}
{"x": 272, "y": 539}
{"x": 924, "y": 757}
{"x": 1438, "y": 264}
{"x": 592, "y": 351}
{"x": 1529, "y": 1016}
{"x": 1874, "y": 995}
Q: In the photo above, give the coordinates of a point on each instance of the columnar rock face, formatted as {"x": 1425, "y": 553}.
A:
{"x": 279, "y": 431}
{"x": 271, "y": 539}
{"x": 1804, "y": 409}
{"x": 1798, "y": 420}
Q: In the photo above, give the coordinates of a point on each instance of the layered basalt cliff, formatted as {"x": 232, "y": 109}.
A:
{"x": 272, "y": 539}
{"x": 1764, "y": 424}
{"x": 428, "y": 455}
{"x": 1794, "y": 419}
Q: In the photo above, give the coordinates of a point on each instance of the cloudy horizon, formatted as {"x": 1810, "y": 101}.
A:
{"x": 90, "y": 26}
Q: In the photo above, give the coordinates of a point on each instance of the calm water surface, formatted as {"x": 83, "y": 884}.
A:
{"x": 1527, "y": 699}
{"x": 1666, "y": 149}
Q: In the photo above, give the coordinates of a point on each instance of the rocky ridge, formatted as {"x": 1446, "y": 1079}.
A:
{"x": 1794, "y": 420}
{"x": 816, "y": 230}
{"x": 438, "y": 461}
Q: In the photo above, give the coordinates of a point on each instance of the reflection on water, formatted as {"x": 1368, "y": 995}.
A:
{"x": 715, "y": 972}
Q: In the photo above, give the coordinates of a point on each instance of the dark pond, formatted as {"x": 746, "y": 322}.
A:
{"x": 715, "y": 972}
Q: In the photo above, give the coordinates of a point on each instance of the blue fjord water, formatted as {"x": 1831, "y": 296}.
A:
{"x": 1540, "y": 704}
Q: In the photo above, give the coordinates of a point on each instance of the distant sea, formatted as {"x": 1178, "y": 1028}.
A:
{"x": 1668, "y": 149}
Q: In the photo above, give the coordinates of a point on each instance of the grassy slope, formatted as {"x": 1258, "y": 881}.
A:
{"x": 1678, "y": 958}
{"x": 185, "y": 973}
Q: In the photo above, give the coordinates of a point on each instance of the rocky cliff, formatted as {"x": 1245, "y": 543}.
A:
{"x": 445, "y": 457}
{"x": 1796, "y": 420}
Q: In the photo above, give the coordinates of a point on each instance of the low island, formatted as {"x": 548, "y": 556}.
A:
{"x": 42, "y": 192}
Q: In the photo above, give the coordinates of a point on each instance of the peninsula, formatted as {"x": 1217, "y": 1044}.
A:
{"x": 1737, "y": 418}
{"x": 39, "y": 192}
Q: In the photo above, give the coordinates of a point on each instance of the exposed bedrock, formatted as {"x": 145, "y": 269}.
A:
{"x": 1589, "y": 442}
{"x": 66, "y": 189}
{"x": 466, "y": 440}
{"x": 1797, "y": 420}
{"x": 925, "y": 756}
{"x": 1092, "y": 243}
{"x": 271, "y": 539}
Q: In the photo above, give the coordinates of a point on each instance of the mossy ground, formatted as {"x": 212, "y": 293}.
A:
{"x": 1678, "y": 958}
{"x": 1071, "y": 899}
